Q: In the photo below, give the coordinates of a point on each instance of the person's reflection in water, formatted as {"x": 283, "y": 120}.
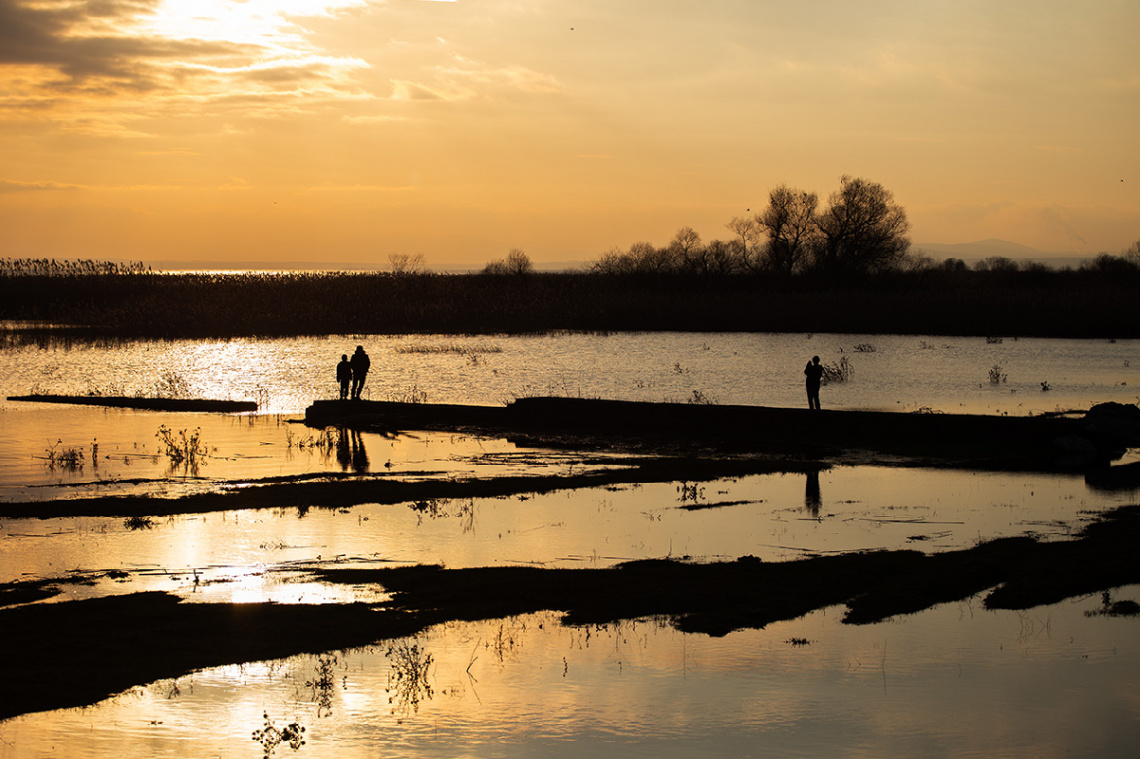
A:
{"x": 343, "y": 451}
{"x": 812, "y": 498}
{"x": 359, "y": 455}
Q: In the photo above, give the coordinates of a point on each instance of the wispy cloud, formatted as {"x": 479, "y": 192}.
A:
{"x": 466, "y": 79}
{"x": 9, "y": 185}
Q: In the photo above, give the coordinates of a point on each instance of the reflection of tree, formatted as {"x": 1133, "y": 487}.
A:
{"x": 323, "y": 684}
{"x": 270, "y": 736}
{"x": 408, "y": 680}
{"x": 812, "y": 496}
{"x": 443, "y": 508}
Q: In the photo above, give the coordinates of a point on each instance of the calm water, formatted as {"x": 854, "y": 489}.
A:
{"x": 952, "y": 681}
{"x": 888, "y": 371}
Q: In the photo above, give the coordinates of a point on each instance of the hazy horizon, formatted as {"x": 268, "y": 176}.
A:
{"x": 218, "y": 130}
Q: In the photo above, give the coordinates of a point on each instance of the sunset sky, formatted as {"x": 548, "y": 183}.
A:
{"x": 347, "y": 130}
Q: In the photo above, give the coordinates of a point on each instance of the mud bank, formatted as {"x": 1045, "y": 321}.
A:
{"x": 144, "y": 404}
{"x": 1053, "y": 442}
{"x": 75, "y": 653}
{"x": 343, "y": 491}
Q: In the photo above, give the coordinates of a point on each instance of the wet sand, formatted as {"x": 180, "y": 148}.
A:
{"x": 76, "y": 653}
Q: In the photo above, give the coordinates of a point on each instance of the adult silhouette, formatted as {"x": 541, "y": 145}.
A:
{"x": 360, "y": 365}
{"x": 814, "y": 373}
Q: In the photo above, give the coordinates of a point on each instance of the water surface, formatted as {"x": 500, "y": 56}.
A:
{"x": 1058, "y": 680}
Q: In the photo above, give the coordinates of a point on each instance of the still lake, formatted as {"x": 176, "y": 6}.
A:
{"x": 956, "y": 680}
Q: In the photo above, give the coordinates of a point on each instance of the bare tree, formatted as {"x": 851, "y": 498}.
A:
{"x": 1133, "y": 253}
{"x": 862, "y": 230}
{"x": 687, "y": 250}
{"x": 404, "y": 265}
{"x": 517, "y": 262}
{"x": 648, "y": 259}
{"x": 613, "y": 261}
{"x": 789, "y": 224}
{"x": 748, "y": 233}
{"x": 720, "y": 257}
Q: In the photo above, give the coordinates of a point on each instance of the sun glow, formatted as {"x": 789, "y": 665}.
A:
{"x": 265, "y": 23}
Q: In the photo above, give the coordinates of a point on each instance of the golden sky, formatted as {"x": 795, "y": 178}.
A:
{"x": 347, "y": 130}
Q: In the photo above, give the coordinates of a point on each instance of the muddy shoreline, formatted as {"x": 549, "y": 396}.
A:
{"x": 1059, "y": 442}
{"x": 144, "y": 404}
{"x": 344, "y": 491}
{"x": 75, "y": 653}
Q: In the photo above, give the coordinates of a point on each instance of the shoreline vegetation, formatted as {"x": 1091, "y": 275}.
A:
{"x": 75, "y": 653}
{"x": 1093, "y": 302}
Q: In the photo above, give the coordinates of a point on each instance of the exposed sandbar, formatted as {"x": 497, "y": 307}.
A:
{"x": 145, "y": 404}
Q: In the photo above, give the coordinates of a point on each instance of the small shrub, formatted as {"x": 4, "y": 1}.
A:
{"x": 182, "y": 448}
{"x": 837, "y": 371}
{"x": 171, "y": 385}
{"x": 66, "y": 459}
{"x": 414, "y": 394}
{"x": 699, "y": 399}
{"x": 997, "y": 376}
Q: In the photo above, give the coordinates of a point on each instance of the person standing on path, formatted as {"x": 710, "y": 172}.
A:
{"x": 814, "y": 373}
{"x": 360, "y": 365}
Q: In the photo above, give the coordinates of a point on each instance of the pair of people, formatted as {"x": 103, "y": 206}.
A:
{"x": 351, "y": 373}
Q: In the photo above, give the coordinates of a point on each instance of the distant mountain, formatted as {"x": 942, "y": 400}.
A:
{"x": 975, "y": 251}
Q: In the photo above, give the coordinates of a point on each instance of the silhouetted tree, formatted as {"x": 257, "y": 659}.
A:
{"x": 517, "y": 262}
{"x": 1133, "y": 253}
{"x": 862, "y": 230}
{"x": 996, "y": 263}
{"x": 748, "y": 234}
{"x": 789, "y": 224}
{"x": 648, "y": 259}
{"x": 405, "y": 265}
{"x": 686, "y": 250}
{"x": 1106, "y": 263}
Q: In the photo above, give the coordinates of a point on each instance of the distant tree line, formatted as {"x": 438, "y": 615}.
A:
{"x": 861, "y": 232}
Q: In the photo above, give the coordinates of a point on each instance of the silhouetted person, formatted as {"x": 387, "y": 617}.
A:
{"x": 814, "y": 373}
{"x": 360, "y": 364}
{"x": 344, "y": 375}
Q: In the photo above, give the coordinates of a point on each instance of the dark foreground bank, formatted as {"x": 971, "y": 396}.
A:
{"x": 76, "y": 653}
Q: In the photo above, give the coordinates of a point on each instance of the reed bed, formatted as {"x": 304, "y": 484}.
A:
{"x": 150, "y": 305}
